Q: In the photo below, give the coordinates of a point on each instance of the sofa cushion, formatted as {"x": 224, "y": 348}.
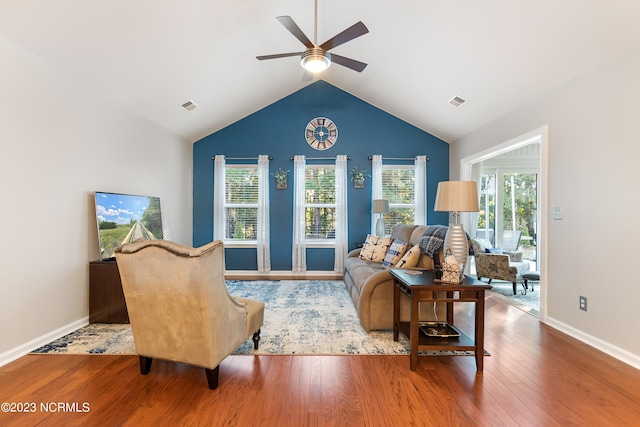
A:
{"x": 375, "y": 248}
{"x": 410, "y": 258}
{"x": 403, "y": 232}
{"x": 360, "y": 270}
{"x": 395, "y": 252}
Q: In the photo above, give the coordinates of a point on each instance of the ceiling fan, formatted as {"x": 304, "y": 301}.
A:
{"x": 316, "y": 57}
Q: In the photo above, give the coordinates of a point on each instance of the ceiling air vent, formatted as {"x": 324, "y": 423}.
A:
{"x": 189, "y": 105}
{"x": 456, "y": 101}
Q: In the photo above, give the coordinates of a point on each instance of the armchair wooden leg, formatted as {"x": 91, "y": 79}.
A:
{"x": 256, "y": 339}
{"x": 515, "y": 285}
{"x": 145, "y": 364}
{"x": 212, "y": 377}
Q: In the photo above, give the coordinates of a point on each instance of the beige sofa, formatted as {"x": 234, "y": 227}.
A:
{"x": 371, "y": 285}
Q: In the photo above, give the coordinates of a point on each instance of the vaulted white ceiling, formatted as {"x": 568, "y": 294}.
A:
{"x": 153, "y": 55}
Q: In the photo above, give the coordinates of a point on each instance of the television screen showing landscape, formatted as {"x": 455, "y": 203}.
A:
{"x": 124, "y": 218}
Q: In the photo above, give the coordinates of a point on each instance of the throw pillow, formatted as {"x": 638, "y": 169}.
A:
{"x": 494, "y": 251}
{"x": 411, "y": 258}
{"x": 375, "y": 248}
{"x": 394, "y": 253}
{"x": 484, "y": 244}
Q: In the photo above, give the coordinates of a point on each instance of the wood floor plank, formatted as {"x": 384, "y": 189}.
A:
{"x": 535, "y": 376}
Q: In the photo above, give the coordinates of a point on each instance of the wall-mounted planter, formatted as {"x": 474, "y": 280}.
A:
{"x": 358, "y": 177}
{"x": 281, "y": 178}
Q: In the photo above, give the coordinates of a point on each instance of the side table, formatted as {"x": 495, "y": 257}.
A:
{"x": 422, "y": 287}
{"x": 106, "y": 298}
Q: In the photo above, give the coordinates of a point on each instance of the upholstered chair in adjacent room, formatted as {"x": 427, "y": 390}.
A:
{"x": 179, "y": 307}
{"x": 496, "y": 265}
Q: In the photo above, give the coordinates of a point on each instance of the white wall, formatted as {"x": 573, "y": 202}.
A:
{"x": 593, "y": 161}
{"x": 59, "y": 142}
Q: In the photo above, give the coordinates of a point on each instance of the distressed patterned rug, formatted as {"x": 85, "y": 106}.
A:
{"x": 529, "y": 302}
{"x": 301, "y": 317}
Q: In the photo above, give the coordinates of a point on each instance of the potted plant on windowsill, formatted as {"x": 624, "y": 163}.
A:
{"x": 281, "y": 178}
{"x": 358, "y": 177}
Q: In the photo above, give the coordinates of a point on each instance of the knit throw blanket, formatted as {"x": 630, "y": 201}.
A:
{"x": 432, "y": 239}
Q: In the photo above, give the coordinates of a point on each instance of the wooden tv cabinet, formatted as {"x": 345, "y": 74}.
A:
{"x": 106, "y": 299}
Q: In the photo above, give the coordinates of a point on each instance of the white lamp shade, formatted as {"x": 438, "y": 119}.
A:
{"x": 380, "y": 206}
{"x": 457, "y": 196}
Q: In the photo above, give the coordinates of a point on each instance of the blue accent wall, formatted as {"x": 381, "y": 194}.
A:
{"x": 278, "y": 130}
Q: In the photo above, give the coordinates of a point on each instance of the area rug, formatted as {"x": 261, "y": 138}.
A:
{"x": 529, "y": 302}
{"x": 301, "y": 317}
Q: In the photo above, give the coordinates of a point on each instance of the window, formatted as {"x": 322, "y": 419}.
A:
{"x": 487, "y": 214}
{"x": 320, "y": 203}
{"x": 508, "y": 201}
{"x": 398, "y": 186}
{"x": 241, "y": 203}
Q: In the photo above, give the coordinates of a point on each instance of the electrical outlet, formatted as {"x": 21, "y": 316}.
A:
{"x": 557, "y": 213}
{"x": 583, "y": 303}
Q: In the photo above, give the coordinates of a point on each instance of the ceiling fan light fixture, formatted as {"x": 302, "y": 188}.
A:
{"x": 315, "y": 60}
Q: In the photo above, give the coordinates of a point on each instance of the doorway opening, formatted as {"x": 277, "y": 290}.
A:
{"x": 511, "y": 181}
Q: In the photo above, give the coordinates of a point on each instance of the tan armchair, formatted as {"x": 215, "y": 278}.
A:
{"x": 496, "y": 266}
{"x": 179, "y": 306}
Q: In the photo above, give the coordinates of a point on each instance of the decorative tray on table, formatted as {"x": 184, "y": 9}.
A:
{"x": 439, "y": 329}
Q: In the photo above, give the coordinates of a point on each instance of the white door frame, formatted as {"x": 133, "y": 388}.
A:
{"x": 537, "y": 135}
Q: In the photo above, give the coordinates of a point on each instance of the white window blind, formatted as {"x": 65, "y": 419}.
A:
{"x": 398, "y": 186}
{"x": 241, "y": 202}
{"x": 320, "y": 202}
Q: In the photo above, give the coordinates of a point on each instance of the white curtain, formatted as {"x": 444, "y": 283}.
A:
{"x": 218, "y": 196}
{"x": 263, "y": 244}
{"x": 376, "y": 185}
{"x": 342, "y": 217}
{"x": 420, "y": 183}
{"x": 299, "y": 256}
{"x": 476, "y": 175}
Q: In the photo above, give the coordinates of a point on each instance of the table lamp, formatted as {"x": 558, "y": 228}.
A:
{"x": 380, "y": 206}
{"x": 456, "y": 197}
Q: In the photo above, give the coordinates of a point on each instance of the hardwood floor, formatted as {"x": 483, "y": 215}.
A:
{"x": 535, "y": 376}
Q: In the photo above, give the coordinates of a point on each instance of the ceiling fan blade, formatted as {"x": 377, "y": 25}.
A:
{"x": 348, "y": 62}
{"x": 279, "y": 55}
{"x": 293, "y": 28}
{"x": 356, "y": 30}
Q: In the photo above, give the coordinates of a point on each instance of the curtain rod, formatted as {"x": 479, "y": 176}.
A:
{"x": 397, "y": 158}
{"x": 319, "y": 158}
{"x": 241, "y": 158}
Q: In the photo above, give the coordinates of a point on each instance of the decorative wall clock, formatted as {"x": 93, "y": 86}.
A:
{"x": 321, "y": 133}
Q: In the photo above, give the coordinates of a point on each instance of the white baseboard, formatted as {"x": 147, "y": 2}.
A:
{"x": 26, "y": 348}
{"x": 607, "y": 348}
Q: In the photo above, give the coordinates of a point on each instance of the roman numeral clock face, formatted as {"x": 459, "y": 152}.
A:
{"x": 321, "y": 133}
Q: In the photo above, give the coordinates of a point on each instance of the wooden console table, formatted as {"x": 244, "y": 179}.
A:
{"x": 106, "y": 298}
{"x": 423, "y": 288}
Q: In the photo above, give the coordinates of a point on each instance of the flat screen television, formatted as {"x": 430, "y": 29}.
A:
{"x": 124, "y": 218}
